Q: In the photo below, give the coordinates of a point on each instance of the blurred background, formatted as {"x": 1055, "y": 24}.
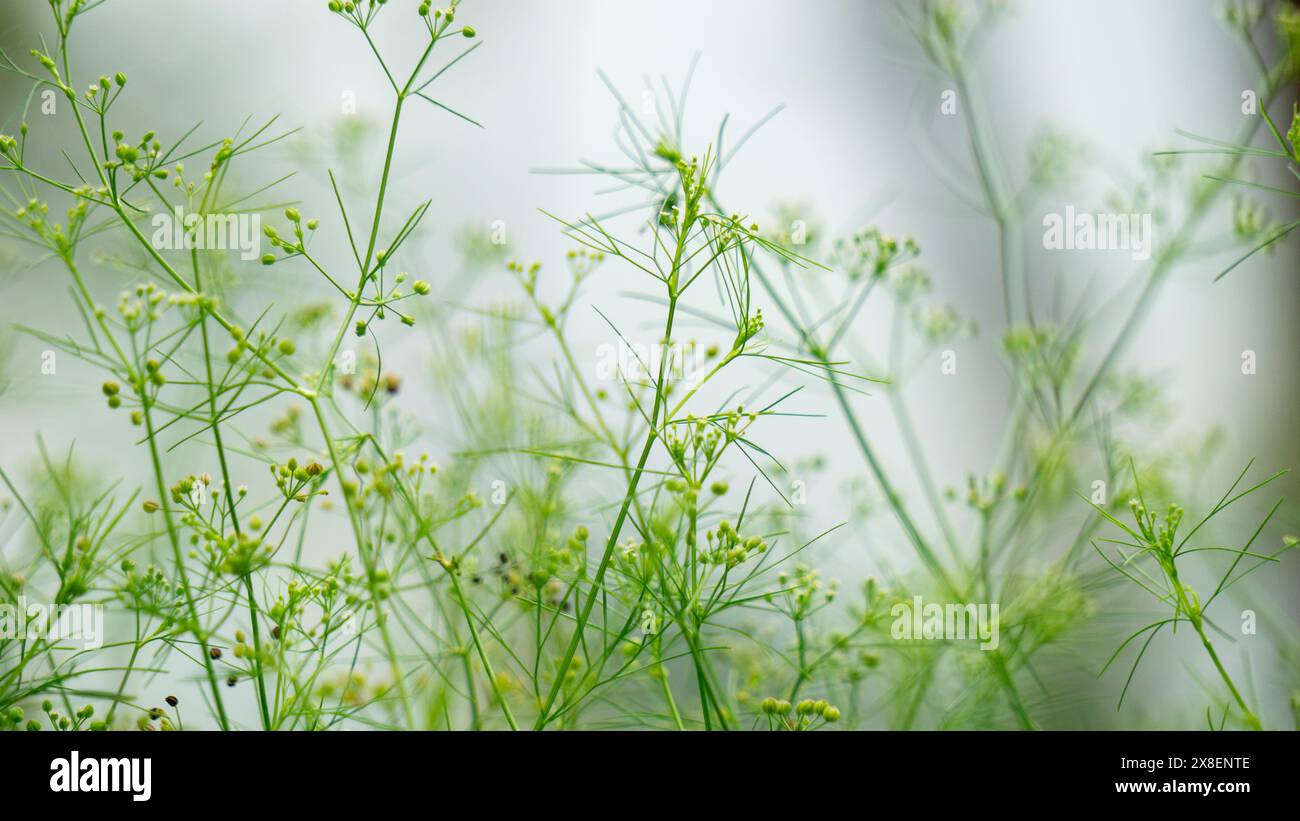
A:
{"x": 861, "y": 140}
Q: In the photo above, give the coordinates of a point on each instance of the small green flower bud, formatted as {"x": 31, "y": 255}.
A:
{"x": 120, "y": 78}
{"x": 150, "y": 506}
{"x": 468, "y": 31}
{"x": 420, "y": 287}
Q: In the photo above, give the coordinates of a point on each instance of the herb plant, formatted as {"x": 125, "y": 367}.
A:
{"x": 581, "y": 553}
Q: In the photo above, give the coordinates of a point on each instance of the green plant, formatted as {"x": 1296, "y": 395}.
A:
{"x": 1155, "y": 544}
{"x": 1061, "y": 403}
{"x": 524, "y": 545}
{"x": 146, "y": 352}
{"x": 1249, "y": 224}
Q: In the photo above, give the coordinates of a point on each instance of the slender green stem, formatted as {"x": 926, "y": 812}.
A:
{"x": 661, "y": 672}
{"x": 652, "y": 435}
{"x": 1249, "y": 715}
{"x": 231, "y": 508}
{"x": 927, "y": 555}
{"x": 367, "y": 559}
{"x": 478, "y": 647}
{"x": 178, "y": 557}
